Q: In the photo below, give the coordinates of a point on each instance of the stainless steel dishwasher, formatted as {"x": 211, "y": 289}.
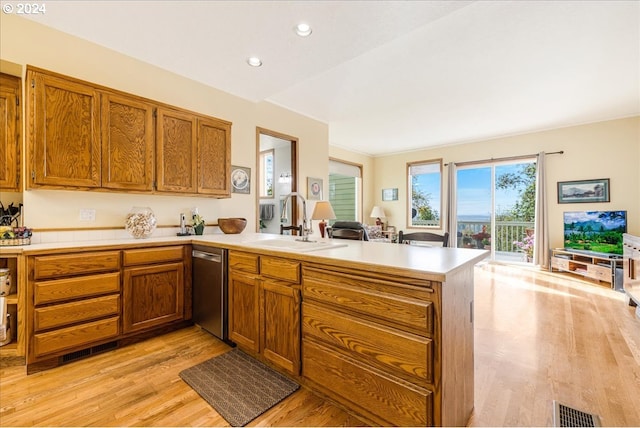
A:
{"x": 210, "y": 289}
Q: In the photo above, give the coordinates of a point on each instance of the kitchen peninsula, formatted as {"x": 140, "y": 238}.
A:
{"x": 384, "y": 330}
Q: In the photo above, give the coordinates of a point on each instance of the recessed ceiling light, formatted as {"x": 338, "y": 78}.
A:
{"x": 303, "y": 30}
{"x": 254, "y": 61}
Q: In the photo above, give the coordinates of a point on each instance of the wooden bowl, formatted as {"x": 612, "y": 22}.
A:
{"x": 232, "y": 225}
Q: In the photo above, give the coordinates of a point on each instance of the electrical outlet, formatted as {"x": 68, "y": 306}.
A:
{"x": 87, "y": 214}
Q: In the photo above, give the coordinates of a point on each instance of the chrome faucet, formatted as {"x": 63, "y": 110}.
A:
{"x": 306, "y": 229}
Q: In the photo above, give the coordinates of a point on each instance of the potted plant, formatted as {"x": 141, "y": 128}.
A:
{"x": 486, "y": 242}
{"x": 481, "y": 236}
{"x": 526, "y": 246}
{"x": 198, "y": 224}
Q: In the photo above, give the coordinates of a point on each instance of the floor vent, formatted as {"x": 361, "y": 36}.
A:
{"x": 73, "y": 356}
{"x": 106, "y": 347}
{"x": 564, "y": 416}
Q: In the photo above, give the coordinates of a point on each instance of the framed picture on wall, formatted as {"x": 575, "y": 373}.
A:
{"x": 240, "y": 179}
{"x": 570, "y": 192}
{"x": 390, "y": 194}
{"x": 314, "y": 189}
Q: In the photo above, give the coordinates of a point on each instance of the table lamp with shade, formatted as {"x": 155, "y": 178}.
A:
{"x": 323, "y": 211}
{"x": 377, "y": 213}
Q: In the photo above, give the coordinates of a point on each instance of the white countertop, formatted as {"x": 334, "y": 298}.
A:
{"x": 421, "y": 260}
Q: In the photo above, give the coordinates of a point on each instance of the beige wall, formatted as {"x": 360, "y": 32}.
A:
{"x": 608, "y": 149}
{"x": 23, "y": 42}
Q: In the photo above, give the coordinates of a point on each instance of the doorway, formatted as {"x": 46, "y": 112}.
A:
{"x": 496, "y": 208}
{"x": 276, "y": 172}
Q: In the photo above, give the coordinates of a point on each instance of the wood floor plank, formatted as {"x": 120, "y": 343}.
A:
{"x": 539, "y": 337}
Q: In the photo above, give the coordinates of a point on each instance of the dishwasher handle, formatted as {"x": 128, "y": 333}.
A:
{"x": 217, "y": 258}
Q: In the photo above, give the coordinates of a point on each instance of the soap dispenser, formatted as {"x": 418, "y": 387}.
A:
{"x": 183, "y": 225}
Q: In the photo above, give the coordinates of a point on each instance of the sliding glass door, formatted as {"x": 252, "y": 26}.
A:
{"x": 496, "y": 208}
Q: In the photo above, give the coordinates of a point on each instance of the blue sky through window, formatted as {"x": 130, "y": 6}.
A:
{"x": 474, "y": 192}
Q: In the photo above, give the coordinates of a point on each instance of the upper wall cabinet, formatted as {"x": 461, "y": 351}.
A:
{"x": 64, "y": 132}
{"x": 127, "y": 143}
{"x": 193, "y": 154}
{"x": 84, "y": 136}
{"x": 10, "y": 93}
{"x": 214, "y": 157}
{"x": 177, "y": 151}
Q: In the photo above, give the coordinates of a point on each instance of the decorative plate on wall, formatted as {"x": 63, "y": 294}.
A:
{"x": 240, "y": 179}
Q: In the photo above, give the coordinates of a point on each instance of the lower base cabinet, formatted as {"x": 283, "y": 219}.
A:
{"x": 85, "y": 302}
{"x": 281, "y": 325}
{"x": 152, "y": 296}
{"x": 375, "y": 394}
{"x": 244, "y": 315}
{"x": 370, "y": 342}
{"x": 264, "y": 308}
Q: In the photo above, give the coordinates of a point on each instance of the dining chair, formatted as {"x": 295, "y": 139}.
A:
{"x": 406, "y": 238}
{"x": 354, "y": 234}
{"x": 295, "y": 230}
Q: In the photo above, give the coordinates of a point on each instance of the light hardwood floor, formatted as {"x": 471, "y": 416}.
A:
{"x": 539, "y": 337}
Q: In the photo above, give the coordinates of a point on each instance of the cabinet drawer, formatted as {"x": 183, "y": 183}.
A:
{"x": 275, "y": 267}
{"x": 74, "y": 288}
{"x": 74, "y": 337}
{"x": 355, "y": 294}
{"x": 147, "y": 256}
{"x": 75, "y": 264}
{"x": 559, "y": 263}
{"x": 74, "y": 312}
{"x": 393, "y": 402}
{"x": 601, "y": 273}
{"x": 245, "y": 262}
{"x": 406, "y": 355}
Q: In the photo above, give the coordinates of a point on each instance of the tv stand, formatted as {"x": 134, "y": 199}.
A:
{"x": 597, "y": 266}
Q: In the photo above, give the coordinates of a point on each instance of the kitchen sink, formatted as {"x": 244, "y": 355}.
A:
{"x": 296, "y": 245}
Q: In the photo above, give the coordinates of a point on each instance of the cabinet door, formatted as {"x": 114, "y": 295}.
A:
{"x": 243, "y": 310}
{"x": 281, "y": 325}
{"x": 152, "y": 296}
{"x": 10, "y": 91}
{"x": 176, "y": 151}
{"x": 63, "y": 131}
{"x": 214, "y": 157}
{"x": 127, "y": 143}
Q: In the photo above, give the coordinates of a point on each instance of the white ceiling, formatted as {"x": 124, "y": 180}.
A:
{"x": 391, "y": 76}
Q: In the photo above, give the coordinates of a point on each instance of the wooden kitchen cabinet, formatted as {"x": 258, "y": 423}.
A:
{"x": 10, "y": 130}
{"x": 194, "y": 154}
{"x": 73, "y": 303}
{"x": 85, "y": 136}
{"x": 264, "y": 308}
{"x": 371, "y": 341}
{"x": 280, "y": 312}
{"x": 80, "y": 303}
{"x": 244, "y": 298}
{"x": 128, "y": 138}
{"x": 176, "y": 151}
{"x": 63, "y": 131}
{"x": 153, "y": 291}
{"x": 214, "y": 157}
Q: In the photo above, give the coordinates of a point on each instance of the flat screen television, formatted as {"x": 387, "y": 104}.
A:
{"x": 595, "y": 231}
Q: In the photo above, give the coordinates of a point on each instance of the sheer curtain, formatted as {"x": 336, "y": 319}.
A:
{"x": 541, "y": 244}
{"x": 452, "y": 206}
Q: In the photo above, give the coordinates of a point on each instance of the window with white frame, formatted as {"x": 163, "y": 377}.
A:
{"x": 424, "y": 185}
